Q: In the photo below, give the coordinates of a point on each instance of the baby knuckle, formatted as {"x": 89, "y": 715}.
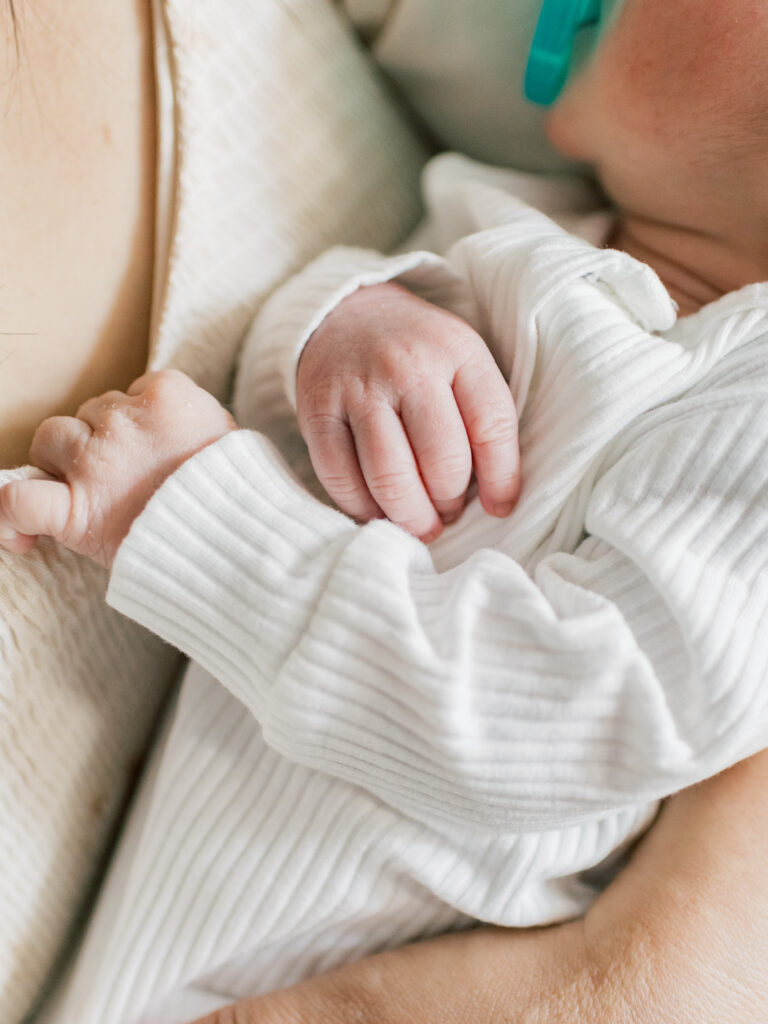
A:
{"x": 166, "y": 386}
{"x": 467, "y": 349}
{"x": 174, "y": 382}
{"x": 341, "y": 487}
{"x": 495, "y": 432}
{"x": 320, "y": 396}
{"x": 101, "y": 405}
{"x": 366, "y": 408}
{"x": 112, "y": 414}
{"x": 403, "y": 364}
{"x": 390, "y": 486}
{"x": 320, "y": 424}
{"x": 448, "y": 467}
{"x": 110, "y": 426}
{"x": 170, "y": 375}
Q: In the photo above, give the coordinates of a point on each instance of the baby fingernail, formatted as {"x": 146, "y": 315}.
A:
{"x": 503, "y": 508}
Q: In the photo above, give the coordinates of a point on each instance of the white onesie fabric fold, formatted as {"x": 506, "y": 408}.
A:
{"x": 384, "y": 740}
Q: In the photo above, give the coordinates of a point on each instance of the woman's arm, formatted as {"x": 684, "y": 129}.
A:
{"x": 680, "y": 936}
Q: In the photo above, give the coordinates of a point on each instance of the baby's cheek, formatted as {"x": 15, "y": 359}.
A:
{"x": 668, "y": 77}
{"x": 687, "y": 67}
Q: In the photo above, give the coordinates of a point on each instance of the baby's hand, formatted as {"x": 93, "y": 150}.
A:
{"x": 107, "y": 462}
{"x": 398, "y": 400}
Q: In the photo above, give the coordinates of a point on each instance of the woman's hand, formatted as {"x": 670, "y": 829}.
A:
{"x": 681, "y": 937}
{"x": 398, "y": 400}
{"x": 107, "y": 462}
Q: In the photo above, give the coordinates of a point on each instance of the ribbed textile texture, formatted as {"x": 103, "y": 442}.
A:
{"x": 393, "y": 739}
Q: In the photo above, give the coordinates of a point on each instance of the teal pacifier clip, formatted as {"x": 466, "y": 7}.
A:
{"x": 550, "y": 56}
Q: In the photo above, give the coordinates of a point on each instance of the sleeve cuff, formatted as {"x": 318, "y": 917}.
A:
{"x": 210, "y": 555}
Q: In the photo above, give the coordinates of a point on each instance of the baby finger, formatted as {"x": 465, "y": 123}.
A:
{"x": 390, "y": 470}
{"x": 440, "y": 444}
{"x": 32, "y": 507}
{"x": 334, "y": 460}
{"x": 488, "y": 411}
{"x": 58, "y": 442}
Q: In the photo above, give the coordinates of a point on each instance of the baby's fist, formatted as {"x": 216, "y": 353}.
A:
{"x": 398, "y": 400}
{"x": 106, "y": 463}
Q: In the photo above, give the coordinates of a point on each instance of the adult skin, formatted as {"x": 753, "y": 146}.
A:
{"x": 679, "y": 938}
{"x": 672, "y": 111}
{"x": 76, "y": 207}
{"x": 76, "y": 202}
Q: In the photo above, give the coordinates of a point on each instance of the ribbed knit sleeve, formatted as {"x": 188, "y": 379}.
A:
{"x": 601, "y": 647}
{"x": 481, "y": 695}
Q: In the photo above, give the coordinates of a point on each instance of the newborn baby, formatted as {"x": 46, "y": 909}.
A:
{"x": 460, "y": 732}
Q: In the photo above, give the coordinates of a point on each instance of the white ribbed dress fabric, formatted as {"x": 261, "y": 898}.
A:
{"x": 394, "y": 740}
{"x": 277, "y": 138}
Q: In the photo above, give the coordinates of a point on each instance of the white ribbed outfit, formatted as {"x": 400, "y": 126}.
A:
{"x": 395, "y": 739}
{"x": 276, "y": 140}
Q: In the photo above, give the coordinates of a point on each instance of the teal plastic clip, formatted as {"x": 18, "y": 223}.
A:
{"x": 550, "y": 56}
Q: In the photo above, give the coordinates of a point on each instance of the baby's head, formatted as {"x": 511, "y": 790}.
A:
{"x": 672, "y": 109}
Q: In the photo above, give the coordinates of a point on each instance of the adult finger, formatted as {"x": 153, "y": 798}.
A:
{"x": 488, "y": 411}
{"x": 440, "y": 444}
{"x": 58, "y": 442}
{"x": 32, "y": 507}
{"x": 334, "y": 459}
{"x": 390, "y": 469}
